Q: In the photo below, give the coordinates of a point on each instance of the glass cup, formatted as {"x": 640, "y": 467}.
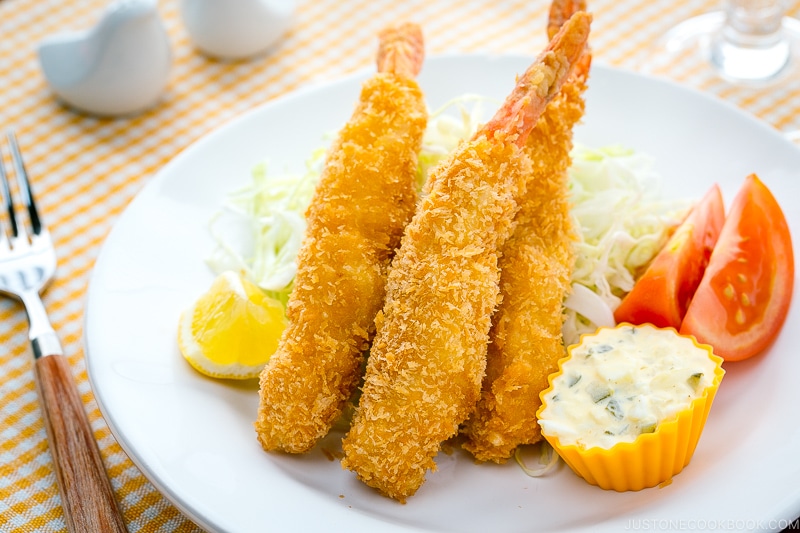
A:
{"x": 747, "y": 42}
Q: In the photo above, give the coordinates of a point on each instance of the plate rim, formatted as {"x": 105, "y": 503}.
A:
{"x": 208, "y": 138}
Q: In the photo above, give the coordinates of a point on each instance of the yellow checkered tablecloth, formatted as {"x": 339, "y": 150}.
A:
{"x": 86, "y": 170}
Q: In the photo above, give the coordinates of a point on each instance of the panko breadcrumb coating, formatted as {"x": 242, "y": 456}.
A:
{"x": 425, "y": 367}
{"x": 536, "y": 267}
{"x": 365, "y": 197}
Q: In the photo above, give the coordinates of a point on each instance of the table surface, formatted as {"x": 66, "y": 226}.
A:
{"x": 86, "y": 170}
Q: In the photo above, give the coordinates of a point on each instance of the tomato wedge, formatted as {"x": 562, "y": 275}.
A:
{"x": 661, "y": 296}
{"x": 742, "y": 301}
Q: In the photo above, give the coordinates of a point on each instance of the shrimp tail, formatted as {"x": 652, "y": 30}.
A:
{"x": 521, "y": 109}
{"x": 560, "y": 13}
{"x": 401, "y": 50}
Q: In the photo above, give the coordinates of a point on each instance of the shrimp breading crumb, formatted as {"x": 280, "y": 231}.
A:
{"x": 365, "y": 197}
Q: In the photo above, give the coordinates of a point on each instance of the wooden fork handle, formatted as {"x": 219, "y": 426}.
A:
{"x": 86, "y": 494}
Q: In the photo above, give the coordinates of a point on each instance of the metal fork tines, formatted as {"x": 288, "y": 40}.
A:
{"x": 27, "y": 265}
{"x": 27, "y": 262}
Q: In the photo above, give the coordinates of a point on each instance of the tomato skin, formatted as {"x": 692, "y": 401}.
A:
{"x": 743, "y": 299}
{"x": 661, "y": 296}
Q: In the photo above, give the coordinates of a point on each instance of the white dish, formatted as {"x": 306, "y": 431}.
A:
{"x": 193, "y": 437}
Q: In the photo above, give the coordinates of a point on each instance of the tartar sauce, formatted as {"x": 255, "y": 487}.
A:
{"x": 621, "y": 382}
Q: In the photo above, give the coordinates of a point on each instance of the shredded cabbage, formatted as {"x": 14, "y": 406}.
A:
{"x": 445, "y": 131}
{"x": 621, "y": 221}
{"x": 547, "y": 460}
{"x": 261, "y": 226}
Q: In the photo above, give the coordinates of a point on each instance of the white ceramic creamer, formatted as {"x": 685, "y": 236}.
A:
{"x": 236, "y": 29}
{"x": 118, "y": 67}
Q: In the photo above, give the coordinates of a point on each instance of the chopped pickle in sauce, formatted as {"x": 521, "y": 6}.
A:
{"x": 621, "y": 382}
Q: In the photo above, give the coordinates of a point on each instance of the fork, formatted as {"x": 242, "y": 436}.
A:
{"x": 27, "y": 265}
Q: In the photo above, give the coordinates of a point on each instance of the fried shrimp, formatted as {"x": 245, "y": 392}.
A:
{"x": 536, "y": 266}
{"x": 425, "y": 367}
{"x": 365, "y": 197}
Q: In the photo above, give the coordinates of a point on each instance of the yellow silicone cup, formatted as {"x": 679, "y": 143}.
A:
{"x": 651, "y": 459}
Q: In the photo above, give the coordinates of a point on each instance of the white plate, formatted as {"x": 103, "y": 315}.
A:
{"x": 193, "y": 437}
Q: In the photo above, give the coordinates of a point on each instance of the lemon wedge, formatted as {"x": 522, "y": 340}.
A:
{"x": 232, "y": 330}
